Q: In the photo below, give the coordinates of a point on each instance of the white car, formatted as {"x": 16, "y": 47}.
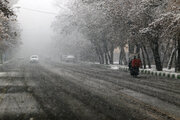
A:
{"x": 34, "y": 59}
{"x": 69, "y": 58}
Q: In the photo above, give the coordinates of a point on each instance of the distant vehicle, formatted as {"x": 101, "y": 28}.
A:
{"x": 69, "y": 58}
{"x": 34, "y": 59}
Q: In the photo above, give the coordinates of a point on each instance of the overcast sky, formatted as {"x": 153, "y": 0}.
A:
{"x": 36, "y": 26}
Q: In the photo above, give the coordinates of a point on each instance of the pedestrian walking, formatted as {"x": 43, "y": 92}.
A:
{"x": 136, "y": 64}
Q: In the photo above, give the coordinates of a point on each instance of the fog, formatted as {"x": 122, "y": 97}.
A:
{"x": 35, "y": 18}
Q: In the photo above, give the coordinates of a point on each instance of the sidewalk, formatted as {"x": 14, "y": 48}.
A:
{"x": 165, "y": 73}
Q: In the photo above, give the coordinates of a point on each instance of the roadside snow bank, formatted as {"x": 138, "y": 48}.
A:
{"x": 165, "y": 73}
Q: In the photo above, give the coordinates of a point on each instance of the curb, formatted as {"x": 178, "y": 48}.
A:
{"x": 10, "y": 74}
{"x": 154, "y": 73}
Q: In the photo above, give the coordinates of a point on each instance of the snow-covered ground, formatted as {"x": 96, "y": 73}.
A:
{"x": 166, "y": 72}
{"x": 117, "y": 66}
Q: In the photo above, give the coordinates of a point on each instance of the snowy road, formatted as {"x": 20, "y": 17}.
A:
{"x": 86, "y": 92}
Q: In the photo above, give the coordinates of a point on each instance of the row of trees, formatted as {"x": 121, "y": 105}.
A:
{"x": 150, "y": 28}
{"x": 9, "y": 30}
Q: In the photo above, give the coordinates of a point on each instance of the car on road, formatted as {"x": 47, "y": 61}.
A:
{"x": 69, "y": 58}
{"x": 34, "y": 59}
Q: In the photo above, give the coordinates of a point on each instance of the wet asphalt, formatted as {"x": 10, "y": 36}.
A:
{"x": 79, "y": 91}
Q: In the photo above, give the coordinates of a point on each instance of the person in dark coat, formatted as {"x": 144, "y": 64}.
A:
{"x": 139, "y": 63}
{"x": 136, "y": 63}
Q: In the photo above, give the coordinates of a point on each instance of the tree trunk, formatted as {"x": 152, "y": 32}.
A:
{"x": 121, "y": 56}
{"x": 112, "y": 55}
{"x": 147, "y": 56}
{"x": 157, "y": 59}
{"x": 171, "y": 59}
{"x": 137, "y": 51}
{"x": 102, "y": 58}
{"x": 131, "y": 48}
{"x": 106, "y": 58}
{"x": 1, "y": 57}
{"x": 178, "y": 57}
{"x": 100, "y": 55}
{"x": 97, "y": 52}
{"x": 106, "y": 51}
{"x": 144, "y": 60}
{"x": 120, "y": 60}
{"x": 164, "y": 56}
{"x": 109, "y": 57}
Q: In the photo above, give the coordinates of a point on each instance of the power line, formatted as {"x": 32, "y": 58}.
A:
{"x": 40, "y": 11}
